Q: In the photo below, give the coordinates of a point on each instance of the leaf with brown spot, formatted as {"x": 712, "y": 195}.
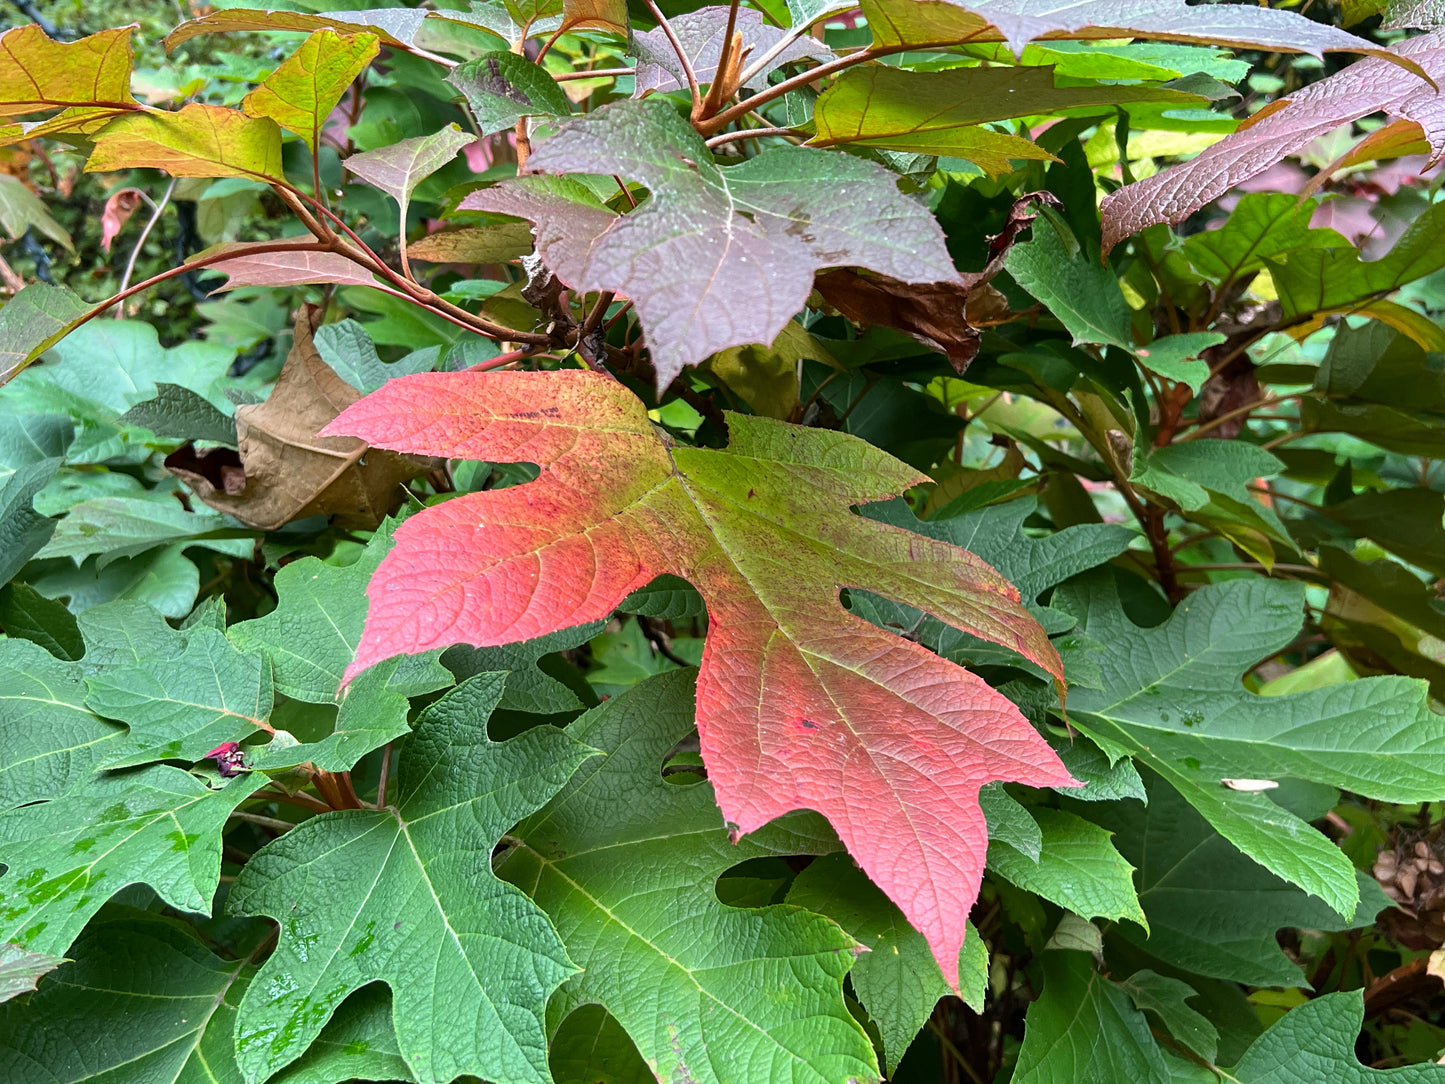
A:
{"x": 284, "y": 471}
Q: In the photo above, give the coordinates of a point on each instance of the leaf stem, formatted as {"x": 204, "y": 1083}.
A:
{"x": 384, "y": 777}
{"x": 264, "y": 821}
{"x": 719, "y": 90}
{"x": 678, "y": 49}
{"x": 157, "y": 209}
{"x": 747, "y": 133}
{"x": 596, "y": 73}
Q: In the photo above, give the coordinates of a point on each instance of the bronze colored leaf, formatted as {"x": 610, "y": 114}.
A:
{"x": 284, "y": 471}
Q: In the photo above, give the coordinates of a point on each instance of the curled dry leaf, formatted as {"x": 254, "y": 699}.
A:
{"x": 118, "y": 209}
{"x": 943, "y": 315}
{"x": 284, "y": 471}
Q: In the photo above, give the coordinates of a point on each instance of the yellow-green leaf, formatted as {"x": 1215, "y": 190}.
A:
{"x": 199, "y": 141}
{"x": 303, "y": 91}
{"x": 37, "y": 73}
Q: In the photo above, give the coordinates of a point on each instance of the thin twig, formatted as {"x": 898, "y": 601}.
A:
{"x": 747, "y": 133}
{"x": 159, "y": 209}
{"x": 757, "y": 67}
{"x": 384, "y": 776}
{"x": 264, "y": 821}
{"x": 677, "y": 48}
{"x": 301, "y": 801}
{"x": 596, "y": 73}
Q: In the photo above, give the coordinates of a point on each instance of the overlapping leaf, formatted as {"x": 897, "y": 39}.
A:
{"x": 1212, "y": 911}
{"x": 943, "y": 112}
{"x": 198, "y": 141}
{"x": 1368, "y": 86}
{"x": 1017, "y": 22}
{"x": 1172, "y": 698}
{"x": 302, "y": 92}
{"x": 716, "y": 257}
{"x": 624, "y": 863}
{"x": 888, "y": 741}
{"x": 701, "y": 34}
{"x": 406, "y": 896}
{"x": 37, "y": 73}
{"x": 64, "y": 858}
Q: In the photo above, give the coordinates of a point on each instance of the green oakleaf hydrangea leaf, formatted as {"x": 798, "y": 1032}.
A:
{"x": 182, "y": 707}
{"x": 1212, "y": 910}
{"x": 311, "y": 636}
{"x": 49, "y": 740}
{"x": 158, "y": 826}
{"x": 1172, "y": 698}
{"x": 897, "y": 980}
{"x": 406, "y": 896}
{"x": 625, "y": 864}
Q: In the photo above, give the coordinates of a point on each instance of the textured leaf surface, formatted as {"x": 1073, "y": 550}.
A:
{"x": 1212, "y": 910}
{"x": 1316, "y": 1041}
{"x": 406, "y": 896}
{"x": 181, "y": 707}
{"x": 198, "y": 141}
{"x": 49, "y": 740}
{"x": 247, "y": 268}
{"x": 1077, "y": 867}
{"x": 882, "y": 737}
{"x": 308, "y": 641}
{"x": 1083, "y": 1027}
{"x": 144, "y": 1002}
{"x": 897, "y": 980}
{"x": 158, "y": 826}
{"x": 24, "y": 532}
{"x": 302, "y": 92}
{"x": 179, "y": 413}
{"x": 502, "y": 88}
{"x": 31, "y": 321}
{"x": 26, "y": 614}
{"x": 115, "y": 527}
{"x": 1368, "y": 86}
{"x": 394, "y": 26}
{"x": 400, "y": 167}
{"x": 701, "y": 34}
{"x": 716, "y": 257}
{"x": 1172, "y": 697}
{"x": 1168, "y": 1000}
{"x": 624, "y": 862}
{"x": 37, "y": 73}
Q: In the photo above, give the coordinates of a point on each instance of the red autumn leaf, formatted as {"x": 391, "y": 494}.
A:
{"x": 801, "y": 704}
{"x": 257, "y": 264}
{"x": 1286, "y": 127}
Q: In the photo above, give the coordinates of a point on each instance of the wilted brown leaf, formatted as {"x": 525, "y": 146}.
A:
{"x": 284, "y": 471}
{"x": 943, "y": 315}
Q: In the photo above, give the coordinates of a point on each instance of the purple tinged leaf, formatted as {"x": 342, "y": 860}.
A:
{"x": 290, "y": 269}
{"x": 399, "y": 168}
{"x": 716, "y": 257}
{"x": 1284, "y": 128}
{"x": 701, "y": 34}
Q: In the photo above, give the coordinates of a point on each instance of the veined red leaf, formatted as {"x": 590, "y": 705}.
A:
{"x": 800, "y": 703}
{"x": 38, "y": 74}
{"x": 1285, "y": 127}
{"x": 198, "y": 141}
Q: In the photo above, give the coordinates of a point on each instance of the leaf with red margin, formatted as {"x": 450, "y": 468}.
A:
{"x": 1285, "y": 127}
{"x": 801, "y": 705}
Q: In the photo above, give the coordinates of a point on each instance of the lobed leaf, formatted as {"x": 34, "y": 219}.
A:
{"x": 885, "y": 739}
{"x": 406, "y": 896}
{"x": 302, "y": 92}
{"x": 716, "y": 257}
{"x": 625, "y": 862}
{"x": 198, "y": 141}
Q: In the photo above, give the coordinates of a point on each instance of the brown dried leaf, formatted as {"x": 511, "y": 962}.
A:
{"x": 943, "y": 315}
{"x": 284, "y": 471}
